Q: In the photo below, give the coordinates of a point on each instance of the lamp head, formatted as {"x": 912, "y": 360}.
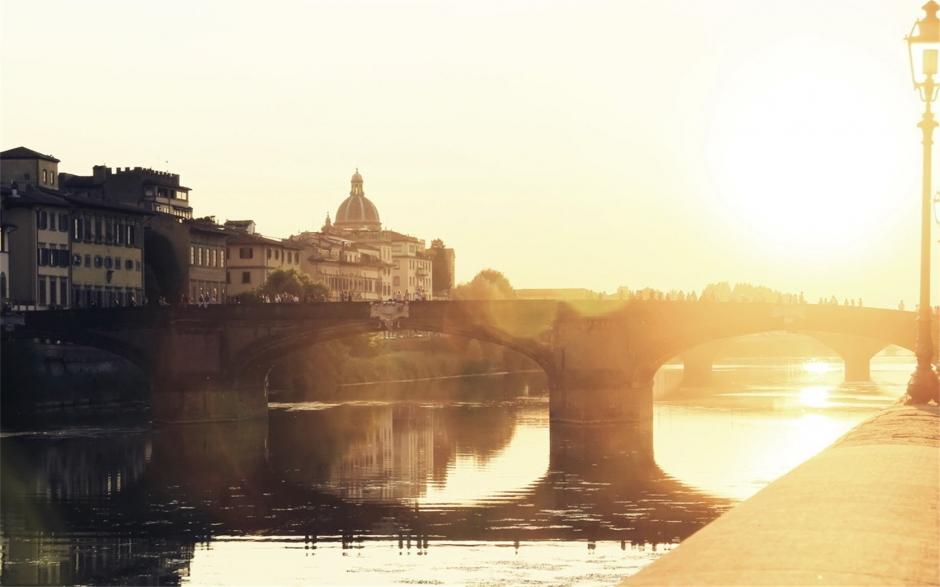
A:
{"x": 923, "y": 44}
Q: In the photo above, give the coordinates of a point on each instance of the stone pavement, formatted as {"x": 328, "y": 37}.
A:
{"x": 862, "y": 512}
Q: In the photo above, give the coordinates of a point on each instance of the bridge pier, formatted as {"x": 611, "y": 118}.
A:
{"x": 595, "y": 397}
{"x": 856, "y": 353}
{"x": 697, "y": 368}
{"x": 187, "y": 401}
{"x": 601, "y": 398}
{"x": 194, "y": 381}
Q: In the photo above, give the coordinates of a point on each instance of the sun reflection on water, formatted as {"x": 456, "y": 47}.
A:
{"x": 815, "y": 396}
{"x": 818, "y": 367}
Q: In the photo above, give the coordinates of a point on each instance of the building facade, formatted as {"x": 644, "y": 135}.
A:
{"x": 66, "y": 250}
{"x": 207, "y": 251}
{"x": 185, "y": 260}
{"x": 400, "y": 264}
{"x": 25, "y": 167}
{"x": 107, "y": 253}
{"x": 351, "y": 271}
{"x": 251, "y": 258}
{"x": 149, "y": 189}
{"x": 39, "y": 253}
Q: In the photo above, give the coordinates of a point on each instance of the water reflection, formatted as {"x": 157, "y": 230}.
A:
{"x": 429, "y": 486}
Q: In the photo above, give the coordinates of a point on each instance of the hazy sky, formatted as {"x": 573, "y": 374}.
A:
{"x": 569, "y": 144}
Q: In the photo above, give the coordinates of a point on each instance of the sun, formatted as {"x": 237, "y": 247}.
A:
{"x": 801, "y": 160}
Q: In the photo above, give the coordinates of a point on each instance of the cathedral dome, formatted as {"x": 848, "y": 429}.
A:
{"x": 357, "y": 212}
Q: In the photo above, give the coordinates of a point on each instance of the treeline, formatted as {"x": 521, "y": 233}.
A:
{"x": 317, "y": 372}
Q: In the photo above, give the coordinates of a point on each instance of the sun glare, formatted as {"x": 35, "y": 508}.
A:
{"x": 814, "y": 396}
{"x": 790, "y": 159}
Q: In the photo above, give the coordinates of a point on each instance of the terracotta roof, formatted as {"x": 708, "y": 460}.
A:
{"x": 33, "y": 196}
{"x": 24, "y": 153}
{"x": 243, "y": 238}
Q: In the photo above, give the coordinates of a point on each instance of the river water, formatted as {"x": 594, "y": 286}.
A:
{"x": 446, "y": 482}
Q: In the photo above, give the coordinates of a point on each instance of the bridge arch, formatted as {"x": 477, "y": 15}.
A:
{"x": 138, "y": 357}
{"x": 257, "y": 360}
{"x": 855, "y": 334}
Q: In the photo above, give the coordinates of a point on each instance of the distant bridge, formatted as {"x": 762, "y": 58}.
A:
{"x": 600, "y": 356}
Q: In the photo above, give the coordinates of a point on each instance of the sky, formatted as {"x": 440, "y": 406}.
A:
{"x": 638, "y": 143}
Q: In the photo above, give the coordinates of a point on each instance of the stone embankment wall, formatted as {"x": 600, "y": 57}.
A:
{"x": 51, "y": 381}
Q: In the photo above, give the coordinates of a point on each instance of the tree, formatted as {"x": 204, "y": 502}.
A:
{"x": 291, "y": 283}
{"x": 488, "y": 284}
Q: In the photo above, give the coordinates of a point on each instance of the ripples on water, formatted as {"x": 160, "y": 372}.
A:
{"x": 453, "y": 485}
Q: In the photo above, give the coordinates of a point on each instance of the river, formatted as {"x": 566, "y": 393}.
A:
{"x": 441, "y": 482}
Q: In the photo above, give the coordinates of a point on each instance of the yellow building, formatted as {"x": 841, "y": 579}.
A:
{"x": 107, "y": 253}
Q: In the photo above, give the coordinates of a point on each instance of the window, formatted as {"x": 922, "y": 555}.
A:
{"x": 117, "y": 263}
{"x": 277, "y": 254}
{"x": 99, "y": 261}
{"x": 119, "y": 233}
{"x": 44, "y": 177}
{"x": 198, "y": 255}
{"x": 77, "y": 229}
{"x": 64, "y": 291}
{"x": 131, "y": 235}
{"x": 128, "y": 265}
{"x": 223, "y": 253}
{"x": 87, "y": 260}
{"x": 269, "y": 253}
{"x": 228, "y": 277}
{"x": 77, "y": 260}
{"x": 246, "y": 277}
{"x": 3, "y": 286}
{"x": 52, "y": 221}
{"x": 108, "y": 262}
{"x": 246, "y": 253}
{"x": 86, "y": 231}
{"x": 98, "y": 234}
{"x": 63, "y": 222}
{"x": 214, "y": 258}
{"x": 192, "y": 255}
{"x": 53, "y": 292}
{"x": 42, "y": 219}
{"x": 43, "y": 255}
{"x": 42, "y": 290}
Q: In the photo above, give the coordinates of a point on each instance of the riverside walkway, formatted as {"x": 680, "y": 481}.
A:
{"x": 862, "y": 512}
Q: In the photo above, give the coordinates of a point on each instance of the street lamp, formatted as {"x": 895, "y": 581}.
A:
{"x": 924, "y": 49}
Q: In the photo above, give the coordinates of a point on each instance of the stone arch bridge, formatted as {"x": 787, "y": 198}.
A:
{"x": 600, "y": 357}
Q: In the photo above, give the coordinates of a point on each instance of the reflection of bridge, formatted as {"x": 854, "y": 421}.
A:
{"x": 600, "y": 357}
{"x": 246, "y": 478}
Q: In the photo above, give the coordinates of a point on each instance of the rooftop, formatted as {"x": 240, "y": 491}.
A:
{"x": 24, "y": 153}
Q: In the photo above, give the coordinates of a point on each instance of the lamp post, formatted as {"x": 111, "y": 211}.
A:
{"x": 924, "y": 49}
